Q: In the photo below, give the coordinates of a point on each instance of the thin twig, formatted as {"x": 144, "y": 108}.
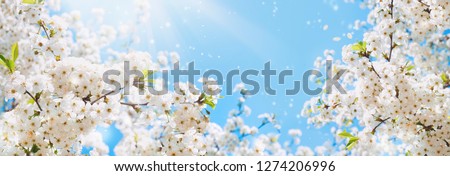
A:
{"x": 420, "y": 1}
{"x": 373, "y": 68}
{"x": 391, "y": 36}
{"x": 104, "y": 96}
{"x": 381, "y": 122}
{"x": 42, "y": 24}
{"x": 35, "y": 100}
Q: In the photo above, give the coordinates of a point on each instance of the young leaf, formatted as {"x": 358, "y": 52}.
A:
{"x": 2, "y": 61}
{"x": 409, "y": 68}
{"x": 345, "y": 134}
{"x": 351, "y": 143}
{"x": 444, "y": 77}
{"x": 148, "y": 75}
{"x": 34, "y": 149}
{"x": 52, "y": 33}
{"x": 38, "y": 95}
{"x": 210, "y": 102}
{"x": 30, "y": 101}
{"x": 29, "y": 1}
{"x": 11, "y": 65}
{"x": 359, "y": 47}
{"x": 14, "y": 52}
{"x": 32, "y": 1}
{"x": 408, "y": 153}
{"x": 356, "y": 47}
{"x": 352, "y": 139}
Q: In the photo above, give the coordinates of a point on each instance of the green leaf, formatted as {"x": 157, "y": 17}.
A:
{"x": 136, "y": 138}
{"x": 11, "y": 65}
{"x": 32, "y": 1}
{"x": 395, "y": 120}
{"x": 210, "y": 101}
{"x": 409, "y": 68}
{"x": 351, "y": 143}
{"x": 52, "y": 33}
{"x": 408, "y": 153}
{"x": 34, "y": 149}
{"x": 29, "y": 1}
{"x": 30, "y": 101}
{"x": 38, "y": 95}
{"x": 359, "y": 47}
{"x": 14, "y": 52}
{"x": 147, "y": 75}
{"x": 2, "y": 61}
{"x": 356, "y": 47}
{"x": 444, "y": 77}
{"x": 352, "y": 139}
{"x": 345, "y": 134}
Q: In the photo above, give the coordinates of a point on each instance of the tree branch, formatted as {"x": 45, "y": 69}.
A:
{"x": 373, "y": 68}
{"x": 35, "y": 100}
{"x": 428, "y": 10}
{"x": 42, "y": 25}
{"x": 420, "y": 1}
{"x": 381, "y": 122}
{"x": 104, "y": 96}
{"x": 391, "y": 36}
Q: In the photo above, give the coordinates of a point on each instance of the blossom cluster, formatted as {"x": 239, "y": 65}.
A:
{"x": 55, "y": 96}
{"x": 397, "y": 80}
{"x": 52, "y": 65}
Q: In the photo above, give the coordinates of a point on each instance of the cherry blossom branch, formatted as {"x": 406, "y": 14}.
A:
{"x": 420, "y": 1}
{"x": 425, "y": 127}
{"x": 42, "y": 25}
{"x": 35, "y": 100}
{"x": 135, "y": 106}
{"x": 379, "y": 124}
{"x": 391, "y": 36}
{"x": 366, "y": 54}
{"x": 104, "y": 96}
{"x": 334, "y": 106}
{"x": 428, "y": 10}
{"x": 374, "y": 70}
{"x": 392, "y": 9}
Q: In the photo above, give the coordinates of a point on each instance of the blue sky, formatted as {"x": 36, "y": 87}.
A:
{"x": 226, "y": 35}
